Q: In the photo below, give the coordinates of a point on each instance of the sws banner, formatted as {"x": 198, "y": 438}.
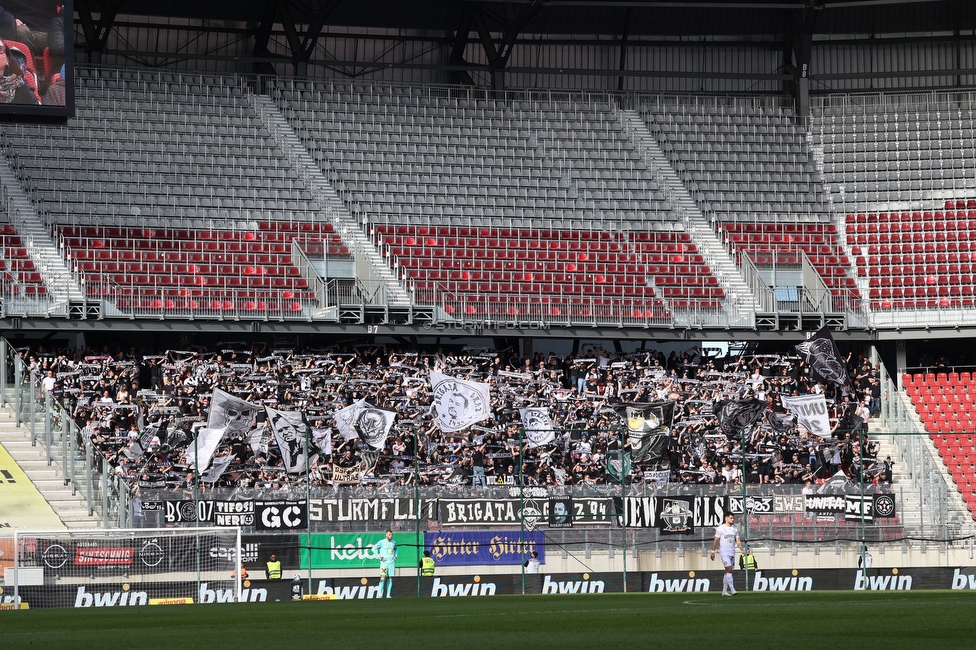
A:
{"x": 484, "y": 547}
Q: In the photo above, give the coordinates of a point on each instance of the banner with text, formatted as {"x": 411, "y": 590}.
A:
{"x": 484, "y": 547}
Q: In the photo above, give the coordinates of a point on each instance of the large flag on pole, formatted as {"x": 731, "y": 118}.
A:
{"x": 538, "y": 426}
{"x": 345, "y": 419}
{"x": 648, "y": 427}
{"x": 824, "y": 359}
{"x": 369, "y": 423}
{"x": 810, "y": 411}
{"x": 458, "y": 403}
{"x": 373, "y": 425}
{"x": 292, "y": 435}
{"x": 734, "y": 415}
{"x": 229, "y": 416}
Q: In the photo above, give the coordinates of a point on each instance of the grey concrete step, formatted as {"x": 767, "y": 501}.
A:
{"x": 47, "y": 479}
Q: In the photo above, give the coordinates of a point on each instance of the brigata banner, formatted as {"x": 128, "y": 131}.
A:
{"x": 354, "y": 551}
{"x": 383, "y": 509}
{"x": 535, "y": 512}
{"x": 484, "y": 547}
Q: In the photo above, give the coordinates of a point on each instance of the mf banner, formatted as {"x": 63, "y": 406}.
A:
{"x": 354, "y": 551}
{"x": 484, "y": 548}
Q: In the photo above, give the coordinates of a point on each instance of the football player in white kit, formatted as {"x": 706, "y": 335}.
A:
{"x": 726, "y": 539}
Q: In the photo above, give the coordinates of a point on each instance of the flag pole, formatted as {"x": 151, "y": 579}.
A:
{"x": 521, "y": 508}
{"x": 308, "y": 501}
{"x": 745, "y": 506}
{"x": 623, "y": 502}
{"x": 416, "y": 500}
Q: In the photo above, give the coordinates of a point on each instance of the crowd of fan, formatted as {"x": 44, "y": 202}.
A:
{"x": 114, "y": 396}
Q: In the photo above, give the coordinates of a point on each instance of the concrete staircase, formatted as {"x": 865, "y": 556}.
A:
{"x": 344, "y": 221}
{"x": 907, "y": 496}
{"x": 48, "y": 479}
{"x": 37, "y": 239}
{"x": 738, "y": 294}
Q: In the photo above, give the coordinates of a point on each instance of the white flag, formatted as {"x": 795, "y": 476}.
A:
{"x": 291, "y": 433}
{"x": 373, "y": 425}
{"x": 538, "y": 426}
{"x": 810, "y": 411}
{"x": 459, "y": 403}
{"x": 217, "y": 469}
{"x": 229, "y": 416}
{"x": 322, "y": 437}
{"x": 345, "y": 420}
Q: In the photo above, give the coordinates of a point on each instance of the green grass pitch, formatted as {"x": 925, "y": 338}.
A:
{"x": 930, "y": 619}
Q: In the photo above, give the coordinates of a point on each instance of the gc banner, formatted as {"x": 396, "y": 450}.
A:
{"x": 280, "y": 515}
{"x": 484, "y": 548}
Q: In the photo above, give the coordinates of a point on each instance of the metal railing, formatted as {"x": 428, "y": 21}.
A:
{"x": 81, "y": 465}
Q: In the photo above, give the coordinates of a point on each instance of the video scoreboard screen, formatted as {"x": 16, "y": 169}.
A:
{"x": 37, "y": 58}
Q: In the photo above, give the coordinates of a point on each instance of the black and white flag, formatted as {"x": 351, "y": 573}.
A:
{"x": 458, "y": 403}
{"x": 734, "y": 415}
{"x": 821, "y": 354}
{"x": 648, "y": 427}
{"x": 373, "y": 425}
{"x": 810, "y": 411}
{"x": 345, "y": 420}
{"x": 781, "y": 422}
{"x": 229, "y": 416}
{"x": 154, "y": 431}
{"x": 538, "y": 426}
{"x": 216, "y": 469}
{"x": 322, "y": 438}
{"x": 293, "y": 436}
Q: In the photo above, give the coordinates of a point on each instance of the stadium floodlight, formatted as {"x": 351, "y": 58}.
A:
{"x": 123, "y": 567}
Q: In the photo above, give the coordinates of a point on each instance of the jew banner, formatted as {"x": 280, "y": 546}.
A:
{"x": 458, "y": 403}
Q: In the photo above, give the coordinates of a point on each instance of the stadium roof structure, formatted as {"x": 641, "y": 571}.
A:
{"x": 579, "y": 17}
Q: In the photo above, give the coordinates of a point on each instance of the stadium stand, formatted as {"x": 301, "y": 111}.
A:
{"x": 883, "y": 152}
{"x": 168, "y": 196}
{"x": 915, "y": 259}
{"x": 945, "y": 404}
{"x": 748, "y": 166}
{"x": 502, "y": 202}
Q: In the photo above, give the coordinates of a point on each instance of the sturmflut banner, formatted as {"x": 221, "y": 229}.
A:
{"x": 364, "y": 509}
